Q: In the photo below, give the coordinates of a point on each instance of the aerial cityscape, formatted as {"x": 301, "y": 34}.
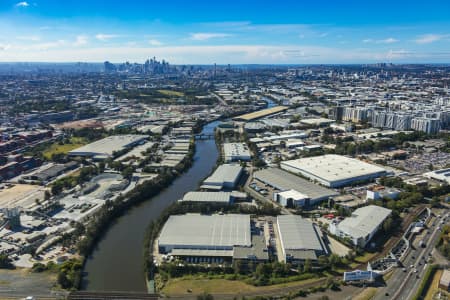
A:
{"x": 224, "y": 150}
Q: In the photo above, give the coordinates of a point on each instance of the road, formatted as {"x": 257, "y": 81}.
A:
{"x": 404, "y": 284}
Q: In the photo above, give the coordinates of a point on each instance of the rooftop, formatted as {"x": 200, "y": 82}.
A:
{"x": 333, "y": 167}
{"x": 297, "y": 233}
{"x": 261, "y": 113}
{"x": 364, "y": 220}
{"x": 224, "y": 173}
{"x": 206, "y": 230}
{"x": 108, "y": 145}
{"x": 284, "y": 180}
{"x": 207, "y": 197}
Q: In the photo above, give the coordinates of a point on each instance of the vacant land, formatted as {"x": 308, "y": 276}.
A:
{"x": 365, "y": 258}
{"x": 57, "y": 148}
{"x": 434, "y": 285}
{"x": 366, "y": 294}
{"x": 21, "y": 283}
{"x": 171, "y": 93}
{"x": 25, "y": 194}
{"x": 180, "y": 286}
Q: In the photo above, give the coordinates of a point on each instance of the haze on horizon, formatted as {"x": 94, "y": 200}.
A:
{"x": 236, "y": 32}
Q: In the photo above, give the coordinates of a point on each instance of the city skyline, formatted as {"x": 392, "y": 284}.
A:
{"x": 231, "y": 32}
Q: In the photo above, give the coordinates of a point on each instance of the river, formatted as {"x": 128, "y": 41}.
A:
{"x": 117, "y": 262}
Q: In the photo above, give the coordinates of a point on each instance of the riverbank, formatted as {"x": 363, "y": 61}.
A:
{"x": 116, "y": 260}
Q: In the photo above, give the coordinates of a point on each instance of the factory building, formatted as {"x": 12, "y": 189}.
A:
{"x": 236, "y": 152}
{"x": 211, "y": 238}
{"x": 362, "y": 225}
{"x": 333, "y": 170}
{"x": 226, "y": 176}
{"x": 293, "y": 190}
{"x": 300, "y": 239}
{"x": 224, "y": 198}
{"x": 442, "y": 175}
{"x": 106, "y": 147}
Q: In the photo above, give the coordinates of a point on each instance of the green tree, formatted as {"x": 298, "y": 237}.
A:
{"x": 307, "y": 266}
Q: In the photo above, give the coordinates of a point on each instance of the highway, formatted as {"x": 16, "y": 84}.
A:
{"x": 404, "y": 282}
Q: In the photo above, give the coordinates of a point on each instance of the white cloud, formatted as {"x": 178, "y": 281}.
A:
{"x": 81, "y": 40}
{"x": 105, "y": 37}
{"x": 388, "y": 41}
{"x": 42, "y": 46}
{"x": 154, "y": 42}
{"x": 4, "y": 47}
{"x": 383, "y": 41}
{"x": 223, "y": 54}
{"x": 32, "y": 38}
{"x": 22, "y": 4}
{"x": 430, "y": 38}
{"x": 203, "y": 36}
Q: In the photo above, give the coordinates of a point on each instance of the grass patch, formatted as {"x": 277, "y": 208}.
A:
{"x": 183, "y": 286}
{"x": 365, "y": 258}
{"x": 434, "y": 286}
{"x": 426, "y": 282}
{"x": 366, "y": 294}
{"x": 56, "y": 148}
{"x": 388, "y": 275}
{"x": 171, "y": 93}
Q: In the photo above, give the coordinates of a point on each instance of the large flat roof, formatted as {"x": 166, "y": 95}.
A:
{"x": 222, "y": 197}
{"x": 261, "y": 113}
{"x": 284, "y": 180}
{"x": 108, "y": 145}
{"x": 441, "y": 175}
{"x": 224, "y": 173}
{"x": 364, "y": 220}
{"x": 194, "y": 230}
{"x": 297, "y": 233}
{"x": 332, "y": 167}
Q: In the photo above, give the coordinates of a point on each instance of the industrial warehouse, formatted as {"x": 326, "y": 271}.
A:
{"x": 106, "y": 147}
{"x": 333, "y": 170}
{"x": 362, "y": 225}
{"x": 236, "y": 152}
{"x": 293, "y": 189}
{"x": 300, "y": 239}
{"x": 224, "y": 177}
{"x": 208, "y": 197}
{"x": 211, "y": 238}
{"x": 260, "y": 113}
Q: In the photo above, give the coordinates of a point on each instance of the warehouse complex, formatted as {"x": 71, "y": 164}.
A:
{"x": 208, "y": 197}
{"x": 105, "y": 148}
{"x": 293, "y": 190}
{"x": 333, "y": 170}
{"x": 226, "y": 176}
{"x": 236, "y": 152}
{"x": 442, "y": 175}
{"x": 300, "y": 239}
{"x": 260, "y": 113}
{"x": 362, "y": 225}
{"x": 211, "y": 238}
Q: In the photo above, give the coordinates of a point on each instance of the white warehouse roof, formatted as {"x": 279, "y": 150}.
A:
{"x": 364, "y": 221}
{"x": 333, "y": 170}
{"x": 206, "y": 231}
{"x": 222, "y": 197}
{"x": 441, "y": 175}
{"x": 226, "y": 173}
{"x": 108, "y": 145}
{"x": 297, "y": 233}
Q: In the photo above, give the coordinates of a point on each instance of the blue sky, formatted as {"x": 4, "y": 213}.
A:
{"x": 206, "y": 32}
